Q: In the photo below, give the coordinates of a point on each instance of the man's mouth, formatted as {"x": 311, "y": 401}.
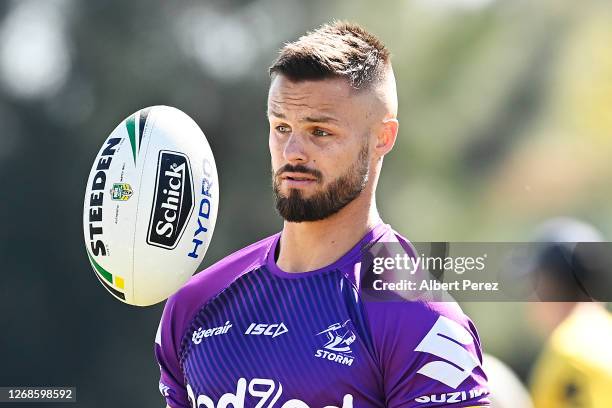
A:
{"x": 297, "y": 180}
{"x": 297, "y": 177}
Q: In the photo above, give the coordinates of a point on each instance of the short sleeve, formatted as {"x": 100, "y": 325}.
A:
{"x": 430, "y": 355}
{"x": 167, "y": 347}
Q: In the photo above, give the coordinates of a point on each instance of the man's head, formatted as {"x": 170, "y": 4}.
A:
{"x": 332, "y": 108}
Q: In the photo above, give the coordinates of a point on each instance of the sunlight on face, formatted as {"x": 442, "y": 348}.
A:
{"x": 319, "y": 141}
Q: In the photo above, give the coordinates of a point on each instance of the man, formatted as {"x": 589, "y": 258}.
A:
{"x": 283, "y": 322}
{"x": 574, "y": 368}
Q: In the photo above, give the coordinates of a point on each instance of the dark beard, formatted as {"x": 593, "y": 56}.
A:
{"x": 340, "y": 192}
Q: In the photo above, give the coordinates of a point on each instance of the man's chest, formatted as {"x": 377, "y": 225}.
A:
{"x": 265, "y": 352}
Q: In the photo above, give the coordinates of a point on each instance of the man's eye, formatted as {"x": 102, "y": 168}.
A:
{"x": 283, "y": 129}
{"x": 320, "y": 132}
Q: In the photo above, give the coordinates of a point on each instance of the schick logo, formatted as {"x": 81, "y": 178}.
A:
{"x": 338, "y": 345}
{"x": 267, "y": 391}
{"x": 172, "y": 200}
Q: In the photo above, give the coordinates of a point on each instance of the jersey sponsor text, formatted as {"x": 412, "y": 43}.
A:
{"x": 201, "y": 333}
{"x": 267, "y": 391}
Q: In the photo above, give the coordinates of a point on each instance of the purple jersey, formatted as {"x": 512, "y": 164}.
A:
{"x": 243, "y": 333}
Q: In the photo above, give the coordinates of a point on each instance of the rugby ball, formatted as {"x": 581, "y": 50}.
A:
{"x": 150, "y": 205}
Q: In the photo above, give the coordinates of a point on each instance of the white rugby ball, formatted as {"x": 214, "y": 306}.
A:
{"x": 150, "y": 206}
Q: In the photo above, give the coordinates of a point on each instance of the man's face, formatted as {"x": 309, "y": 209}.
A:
{"x": 319, "y": 146}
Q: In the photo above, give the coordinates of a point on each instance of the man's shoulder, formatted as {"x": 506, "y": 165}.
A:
{"x": 410, "y": 323}
{"x": 416, "y": 315}
{"x": 202, "y": 287}
{"x": 417, "y": 310}
{"x": 419, "y": 334}
{"x": 222, "y": 273}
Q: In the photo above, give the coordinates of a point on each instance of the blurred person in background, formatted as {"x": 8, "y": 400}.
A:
{"x": 574, "y": 368}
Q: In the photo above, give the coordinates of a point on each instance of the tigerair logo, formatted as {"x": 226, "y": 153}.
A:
{"x": 201, "y": 333}
{"x": 172, "y": 200}
{"x": 267, "y": 391}
{"x": 266, "y": 329}
{"x": 339, "y": 336}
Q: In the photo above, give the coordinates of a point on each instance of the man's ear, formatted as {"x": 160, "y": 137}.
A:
{"x": 387, "y": 136}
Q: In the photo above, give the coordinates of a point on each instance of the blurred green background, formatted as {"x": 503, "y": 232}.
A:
{"x": 505, "y": 121}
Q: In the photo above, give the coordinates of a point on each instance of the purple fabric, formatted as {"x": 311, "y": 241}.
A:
{"x": 321, "y": 342}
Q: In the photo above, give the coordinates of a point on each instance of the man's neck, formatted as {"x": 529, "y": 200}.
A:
{"x": 308, "y": 246}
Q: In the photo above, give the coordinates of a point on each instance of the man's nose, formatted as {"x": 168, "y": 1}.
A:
{"x": 295, "y": 149}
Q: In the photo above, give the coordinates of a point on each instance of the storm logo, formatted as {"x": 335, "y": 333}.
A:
{"x": 338, "y": 345}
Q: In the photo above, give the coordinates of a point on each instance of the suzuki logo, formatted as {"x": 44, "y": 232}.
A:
{"x": 446, "y": 340}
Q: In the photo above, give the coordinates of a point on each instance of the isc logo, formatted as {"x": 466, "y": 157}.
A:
{"x": 266, "y": 329}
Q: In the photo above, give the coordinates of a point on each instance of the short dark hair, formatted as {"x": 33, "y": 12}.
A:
{"x": 338, "y": 49}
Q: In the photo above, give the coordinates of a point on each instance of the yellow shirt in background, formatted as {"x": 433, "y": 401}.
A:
{"x": 575, "y": 368}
